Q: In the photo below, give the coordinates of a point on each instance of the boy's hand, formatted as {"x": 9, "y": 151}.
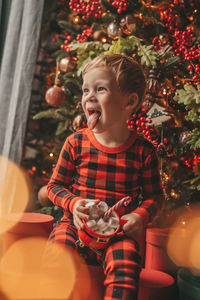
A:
{"x": 134, "y": 226}
{"x": 81, "y": 212}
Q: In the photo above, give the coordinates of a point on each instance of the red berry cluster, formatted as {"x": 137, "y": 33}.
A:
{"x": 55, "y": 37}
{"x": 88, "y": 9}
{"x": 167, "y": 16}
{"x": 121, "y": 5}
{"x": 191, "y": 161}
{"x": 87, "y": 33}
{"x": 140, "y": 123}
{"x": 157, "y": 43}
{"x": 184, "y": 48}
{"x": 66, "y": 42}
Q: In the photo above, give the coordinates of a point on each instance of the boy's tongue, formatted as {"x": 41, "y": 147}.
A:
{"x": 93, "y": 119}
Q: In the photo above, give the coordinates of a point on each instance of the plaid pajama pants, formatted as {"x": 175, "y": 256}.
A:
{"x": 120, "y": 261}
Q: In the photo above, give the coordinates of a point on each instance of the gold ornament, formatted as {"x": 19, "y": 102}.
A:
{"x": 100, "y": 35}
{"x": 152, "y": 82}
{"x": 152, "y": 89}
{"x": 113, "y": 30}
{"x": 67, "y": 64}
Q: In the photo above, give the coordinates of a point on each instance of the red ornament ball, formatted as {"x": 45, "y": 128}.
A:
{"x": 55, "y": 96}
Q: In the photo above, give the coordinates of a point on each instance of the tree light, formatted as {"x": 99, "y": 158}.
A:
{"x": 164, "y": 91}
{"x": 103, "y": 40}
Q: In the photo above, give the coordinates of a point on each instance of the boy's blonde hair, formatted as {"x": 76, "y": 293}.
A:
{"x": 128, "y": 73}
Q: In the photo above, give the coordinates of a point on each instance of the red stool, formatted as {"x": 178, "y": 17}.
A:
{"x": 156, "y": 251}
{"x": 155, "y": 285}
{"x": 30, "y": 224}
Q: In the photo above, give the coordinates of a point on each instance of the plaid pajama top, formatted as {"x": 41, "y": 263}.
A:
{"x": 87, "y": 169}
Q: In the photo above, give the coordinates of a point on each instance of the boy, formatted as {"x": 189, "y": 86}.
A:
{"x": 106, "y": 162}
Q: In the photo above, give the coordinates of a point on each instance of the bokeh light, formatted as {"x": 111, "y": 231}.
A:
{"x": 14, "y": 192}
{"x": 28, "y": 271}
{"x": 194, "y": 251}
{"x": 183, "y": 245}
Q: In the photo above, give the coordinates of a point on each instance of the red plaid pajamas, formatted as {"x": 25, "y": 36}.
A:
{"x": 87, "y": 169}
{"x": 120, "y": 261}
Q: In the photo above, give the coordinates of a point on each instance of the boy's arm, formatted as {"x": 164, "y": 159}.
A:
{"x": 58, "y": 186}
{"x": 152, "y": 189}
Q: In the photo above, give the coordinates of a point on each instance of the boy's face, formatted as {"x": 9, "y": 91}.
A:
{"x": 102, "y": 100}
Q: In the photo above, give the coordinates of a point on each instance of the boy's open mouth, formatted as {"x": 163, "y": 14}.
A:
{"x": 93, "y": 118}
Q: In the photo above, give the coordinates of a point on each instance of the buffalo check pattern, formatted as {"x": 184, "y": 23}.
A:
{"x": 87, "y": 169}
{"x": 121, "y": 260}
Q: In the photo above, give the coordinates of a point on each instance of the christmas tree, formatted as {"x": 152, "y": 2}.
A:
{"x": 164, "y": 37}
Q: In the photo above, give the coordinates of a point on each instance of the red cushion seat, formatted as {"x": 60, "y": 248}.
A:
{"x": 155, "y": 285}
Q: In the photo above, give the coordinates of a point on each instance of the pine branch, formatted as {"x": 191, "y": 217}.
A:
{"x": 57, "y": 114}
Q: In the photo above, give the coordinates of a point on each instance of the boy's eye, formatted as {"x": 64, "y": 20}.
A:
{"x": 85, "y": 90}
{"x": 101, "y": 88}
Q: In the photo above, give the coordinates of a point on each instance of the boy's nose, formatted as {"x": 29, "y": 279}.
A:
{"x": 91, "y": 97}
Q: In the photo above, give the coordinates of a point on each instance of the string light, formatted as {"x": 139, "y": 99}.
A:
{"x": 76, "y": 19}
{"x": 103, "y": 40}
{"x": 51, "y": 154}
{"x": 164, "y": 91}
{"x": 174, "y": 195}
{"x": 33, "y": 168}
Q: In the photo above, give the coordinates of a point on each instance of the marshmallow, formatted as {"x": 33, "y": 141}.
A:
{"x": 98, "y": 222}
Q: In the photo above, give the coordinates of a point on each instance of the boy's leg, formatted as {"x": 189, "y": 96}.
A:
{"x": 64, "y": 234}
{"x": 122, "y": 268}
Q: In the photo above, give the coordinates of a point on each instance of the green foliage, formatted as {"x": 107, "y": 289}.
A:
{"x": 54, "y": 211}
{"x": 171, "y": 61}
{"x": 148, "y": 56}
{"x": 68, "y": 27}
{"x": 62, "y": 127}
{"x": 50, "y": 114}
{"x": 194, "y": 141}
{"x": 193, "y": 184}
{"x": 86, "y": 52}
{"x": 60, "y": 113}
{"x": 190, "y": 97}
{"x": 121, "y": 46}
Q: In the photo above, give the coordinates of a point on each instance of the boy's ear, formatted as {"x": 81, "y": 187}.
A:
{"x": 132, "y": 102}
